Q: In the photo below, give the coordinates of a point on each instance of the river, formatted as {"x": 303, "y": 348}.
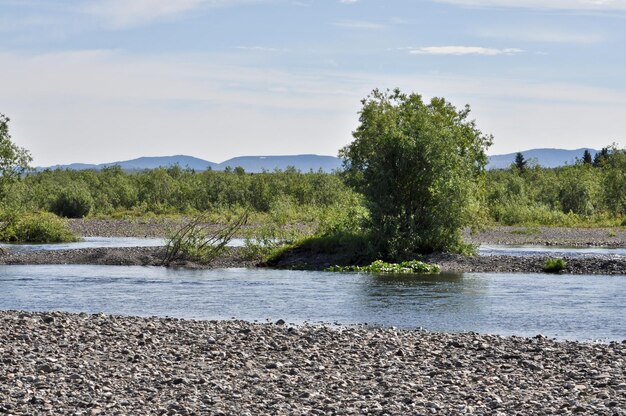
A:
{"x": 567, "y": 307}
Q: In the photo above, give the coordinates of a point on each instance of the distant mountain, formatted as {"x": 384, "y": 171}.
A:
{"x": 164, "y": 161}
{"x": 253, "y": 164}
{"x": 304, "y": 163}
{"x": 144, "y": 163}
{"x": 549, "y": 158}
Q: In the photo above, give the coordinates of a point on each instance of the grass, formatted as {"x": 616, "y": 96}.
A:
{"x": 194, "y": 241}
{"x": 554, "y": 265}
{"x": 534, "y": 230}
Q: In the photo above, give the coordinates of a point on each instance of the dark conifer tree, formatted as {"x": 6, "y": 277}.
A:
{"x": 520, "y": 162}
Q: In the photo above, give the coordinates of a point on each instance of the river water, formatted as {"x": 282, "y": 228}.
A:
{"x": 483, "y": 250}
{"x": 568, "y": 307}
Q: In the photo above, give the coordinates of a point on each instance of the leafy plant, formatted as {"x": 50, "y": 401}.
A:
{"x": 196, "y": 241}
{"x": 554, "y": 265}
{"x": 14, "y": 160}
{"x": 73, "y": 202}
{"x": 42, "y": 227}
{"x": 379, "y": 266}
{"x": 419, "y": 166}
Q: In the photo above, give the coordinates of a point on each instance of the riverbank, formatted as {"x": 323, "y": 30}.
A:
{"x": 574, "y": 237}
{"x": 296, "y": 259}
{"x": 59, "y": 363}
{"x": 300, "y": 258}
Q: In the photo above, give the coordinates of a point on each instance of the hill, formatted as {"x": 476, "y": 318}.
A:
{"x": 549, "y": 158}
{"x": 251, "y": 164}
{"x": 254, "y": 164}
{"x": 304, "y": 163}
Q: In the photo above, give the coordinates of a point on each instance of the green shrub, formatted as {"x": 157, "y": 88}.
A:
{"x": 554, "y": 265}
{"x": 419, "y": 166}
{"x": 527, "y": 231}
{"x": 195, "y": 241}
{"x": 72, "y": 202}
{"x": 42, "y": 227}
{"x": 379, "y": 266}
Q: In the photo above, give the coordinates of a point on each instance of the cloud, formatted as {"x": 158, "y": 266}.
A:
{"x": 126, "y": 13}
{"x": 260, "y": 49}
{"x": 110, "y": 105}
{"x": 348, "y": 1}
{"x": 462, "y": 50}
{"x": 540, "y": 35}
{"x": 545, "y": 4}
{"x": 359, "y": 24}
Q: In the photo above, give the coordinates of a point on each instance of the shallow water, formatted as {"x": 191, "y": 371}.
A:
{"x": 484, "y": 250}
{"x": 563, "y": 306}
{"x": 555, "y": 251}
{"x": 100, "y": 242}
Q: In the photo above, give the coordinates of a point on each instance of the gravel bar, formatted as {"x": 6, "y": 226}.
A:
{"x": 123, "y": 256}
{"x": 449, "y": 263}
{"x": 550, "y": 236}
{"x": 60, "y": 363}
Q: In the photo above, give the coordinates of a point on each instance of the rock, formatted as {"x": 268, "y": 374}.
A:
{"x": 81, "y": 368}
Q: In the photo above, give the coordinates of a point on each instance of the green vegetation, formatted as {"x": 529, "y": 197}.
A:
{"x": 420, "y": 168}
{"x": 379, "y": 266}
{"x": 414, "y": 178}
{"x": 72, "y": 202}
{"x": 520, "y": 162}
{"x": 197, "y": 242}
{"x": 16, "y": 224}
{"x": 554, "y": 265}
{"x": 576, "y": 195}
{"x": 14, "y": 160}
{"x": 42, "y": 227}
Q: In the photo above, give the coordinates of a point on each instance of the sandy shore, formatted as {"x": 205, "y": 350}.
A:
{"x": 58, "y": 363}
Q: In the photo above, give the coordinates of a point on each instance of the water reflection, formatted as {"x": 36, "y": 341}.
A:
{"x": 567, "y": 307}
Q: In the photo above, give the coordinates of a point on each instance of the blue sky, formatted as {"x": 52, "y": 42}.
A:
{"x": 103, "y": 80}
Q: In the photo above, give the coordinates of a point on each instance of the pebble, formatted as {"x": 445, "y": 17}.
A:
{"x": 80, "y": 366}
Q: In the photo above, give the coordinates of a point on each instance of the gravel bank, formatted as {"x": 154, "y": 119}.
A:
{"x": 304, "y": 259}
{"x": 152, "y": 256}
{"x": 552, "y": 236}
{"x": 126, "y": 256}
{"x": 509, "y": 264}
{"x": 140, "y": 227}
{"x": 159, "y": 227}
{"x": 58, "y": 363}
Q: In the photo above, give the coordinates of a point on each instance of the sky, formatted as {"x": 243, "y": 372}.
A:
{"x": 98, "y": 81}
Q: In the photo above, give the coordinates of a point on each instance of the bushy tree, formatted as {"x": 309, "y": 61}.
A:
{"x": 614, "y": 164}
{"x": 14, "y": 160}
{"x": 419, "y": 167}
{"x": 587, "y": 159}
{"x": 73, "y": 202}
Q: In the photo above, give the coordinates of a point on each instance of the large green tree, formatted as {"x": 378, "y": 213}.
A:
{"x": 419, "y": 166}
{"x": 14, "y": 160}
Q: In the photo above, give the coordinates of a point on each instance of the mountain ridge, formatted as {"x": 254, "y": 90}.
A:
{"x": 546, "y": 157}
